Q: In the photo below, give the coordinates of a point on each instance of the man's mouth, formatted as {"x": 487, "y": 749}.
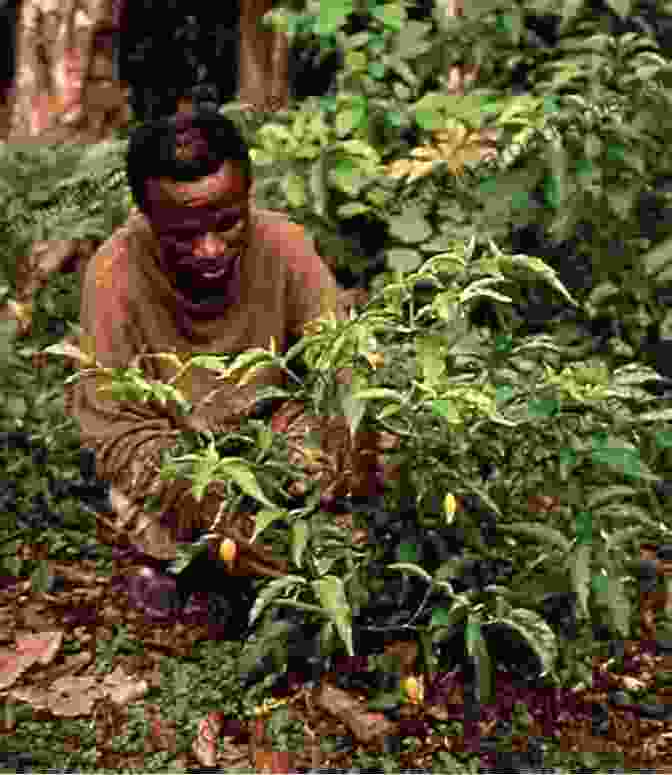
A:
{"x": 216, "y": 275}
{"x": 208, "y": 268}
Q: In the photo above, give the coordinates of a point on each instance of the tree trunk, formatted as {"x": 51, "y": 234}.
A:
{"x": 64, "y": 89}
{"x": 264, "y": 60}
{"x": 67, "y": 88}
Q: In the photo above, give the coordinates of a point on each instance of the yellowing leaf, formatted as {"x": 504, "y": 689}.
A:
{"x": 425, "y": 152}
{"x": 375, "y": 360}
{"x": 420, "y": 170}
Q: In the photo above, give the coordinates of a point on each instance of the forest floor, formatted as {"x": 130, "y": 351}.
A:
{"x": 89, "y": 685}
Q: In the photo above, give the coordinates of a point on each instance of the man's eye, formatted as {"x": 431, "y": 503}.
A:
{"x": 228, "y": 224}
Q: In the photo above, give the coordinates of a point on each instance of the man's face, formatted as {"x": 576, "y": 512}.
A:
{"x": 204, "y": 220}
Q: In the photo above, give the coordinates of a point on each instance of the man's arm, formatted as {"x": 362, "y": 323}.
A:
{"x": 128, "y": 437}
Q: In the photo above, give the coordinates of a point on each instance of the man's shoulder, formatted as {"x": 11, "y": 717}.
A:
{"x": 277, "y": 224}
{"x": 110, "y": 266}
{"x": 286, "y": 238}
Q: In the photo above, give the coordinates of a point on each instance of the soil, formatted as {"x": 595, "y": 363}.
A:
{"x": 642, "y": 742}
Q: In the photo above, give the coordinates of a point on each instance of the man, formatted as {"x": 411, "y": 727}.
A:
{"x": 195, "y": 268}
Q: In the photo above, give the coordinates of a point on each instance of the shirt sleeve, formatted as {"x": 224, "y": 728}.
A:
{"x": 128, "y": 437}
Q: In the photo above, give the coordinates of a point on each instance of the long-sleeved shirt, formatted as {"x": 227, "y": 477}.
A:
{"x": 126, "y": 311}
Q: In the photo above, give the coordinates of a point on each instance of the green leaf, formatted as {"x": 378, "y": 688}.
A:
{"x": 247, "y": 482}
{"x": 552, "y": 191}
{"x": 446, "y": 409}
{"x": 391, "y": 15}
{"x": 619, "y": 606}
{"x": 331, "y": 594}
{"x": 503, "y": 22}
{"x": 584, "y": 167}
{"x": 626, "y": 461}
{"x": 537, "y": 633}
{"x": 275, "y": 588}
{"x": 551, "y": 104}
{"x": 407, "y": 552}
{"x": 619, "y": 538}
{"x": 360, "y": 148}
{"x": 39, "y": 578}
{"x": 411, "y": 40}
{"x": 429, "y": 119}
{"x": 246, "y": 361}
{"x": 377, "y": 70}
{"x": 294, "y": 189}
{"x": 543, "y": 533}
{"x": 401, "y": 91}
{"x": 476, "y": 10}
{"x": 359, "y": 40}
{"x": 440, "y": 618}
{"x": 403, "y": 259}
{"x": 584, "y": 527}
{"x": 570, "y": 11}
{"x": 410, "y": 227}
{"x": 332, "y": 16}
{"x": 318, "y": 189}
{"x": 523, "y": 106}
{"x": 349, "y": 119}
{"x": 264, "y": 439}
{"x": 70, "y": 351}
{"x": 186, "y": 552}
{"x": 520, "y": 201}
{"x": 605, "y": 494}
{"x": 264, "y": 518}
{"x": 621, "y": 7}
{"x": 411, "y": 568}
{"x": 300, "y": 536}
{"x": 372, "y": 394}
{"x": 579, "y": 566}
{"x": 504, "y": 393}
{"x": 16, "y": 406}
{"x": 394, "y": 119}
{"x": 346, "y": 175}
{"x": 663, "y": 416}
{"x": 478, "y": 649}
{"x": 353, "y": 407}
{"x": 350, "y": 209}
{"x": 543, "y": 408}
{"x": 389, "y": 411}
{"x": 663, "y": 439}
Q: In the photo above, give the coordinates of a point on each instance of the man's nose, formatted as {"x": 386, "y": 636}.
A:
{"x": 210, "y": 245}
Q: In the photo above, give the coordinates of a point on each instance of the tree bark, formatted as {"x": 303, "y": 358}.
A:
{"x": 264, "y": 59}
{"x": 64, "y": 88}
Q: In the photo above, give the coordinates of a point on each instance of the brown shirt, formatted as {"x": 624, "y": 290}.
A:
{"x": 126, "y": 311}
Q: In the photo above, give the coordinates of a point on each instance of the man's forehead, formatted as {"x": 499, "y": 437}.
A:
{"x": 228, "y": 185}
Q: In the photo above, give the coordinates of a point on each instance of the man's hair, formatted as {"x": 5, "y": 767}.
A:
{"x": 152, "y": 152}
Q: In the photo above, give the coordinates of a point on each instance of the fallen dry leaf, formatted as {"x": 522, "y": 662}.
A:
{"x": 43, "y": 646}
{"x": 366, "y": 726}
{"x": 12, "y": 666}
{"x": 205, "y": 744}
{"x": 122, "y": 689}
{"x": 632, "y": 684}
